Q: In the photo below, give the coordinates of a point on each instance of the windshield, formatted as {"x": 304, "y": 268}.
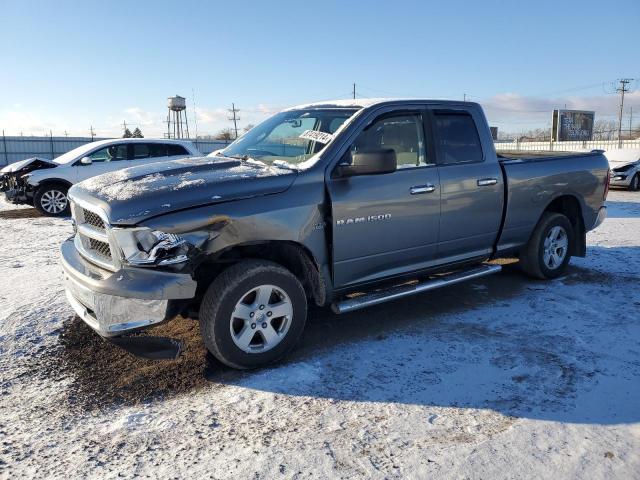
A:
{"x": 292, "y": 136}
{"x": 75, "y": 153}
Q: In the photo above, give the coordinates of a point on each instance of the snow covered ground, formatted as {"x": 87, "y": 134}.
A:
{"x": 503, "y": 377}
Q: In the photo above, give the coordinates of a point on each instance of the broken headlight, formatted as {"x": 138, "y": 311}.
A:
{"x": 145, "y": 247}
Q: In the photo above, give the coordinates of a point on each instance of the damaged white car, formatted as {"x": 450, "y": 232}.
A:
{"x": 625, "y": 168}
{"x": 44, "y": 183}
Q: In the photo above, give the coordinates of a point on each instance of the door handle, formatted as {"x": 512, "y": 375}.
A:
{"x": 418, "y": 189}
{"x": 485, "y": 182}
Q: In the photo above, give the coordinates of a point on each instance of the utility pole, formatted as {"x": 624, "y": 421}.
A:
{"x": 354, "y": 91}
{"x": 234, "y": 117}
{"x": 630, "y": 121}
{"x": 464, "y": 97}
{"x": 622, "y": 89}
{"x": 93, "y": 134}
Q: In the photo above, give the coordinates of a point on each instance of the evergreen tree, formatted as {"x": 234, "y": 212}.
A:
{"x": 127, "y": 133}
{"x": 137, "y": 133}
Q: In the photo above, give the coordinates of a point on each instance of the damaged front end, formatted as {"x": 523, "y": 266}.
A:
{"x": 13, "y": 179}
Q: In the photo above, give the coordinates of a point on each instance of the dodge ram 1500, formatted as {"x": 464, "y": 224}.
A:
{"x": 347, "y": 204}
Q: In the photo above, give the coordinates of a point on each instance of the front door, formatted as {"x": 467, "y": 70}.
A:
{"x": 387, "y": 224}
{"x": 106, "y": 159}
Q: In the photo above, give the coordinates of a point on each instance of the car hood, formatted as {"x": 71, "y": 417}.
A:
{"x": 619, "y": 164}
{"x": 16, "y": 166}
{"x": 132, "y": 195}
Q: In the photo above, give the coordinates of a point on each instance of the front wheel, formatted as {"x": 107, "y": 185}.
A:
{"x": 635, "y": 183}
{"x": 548, "y": 251}
{"x": 252, "y": 314}
{"x": 51, "y": 200}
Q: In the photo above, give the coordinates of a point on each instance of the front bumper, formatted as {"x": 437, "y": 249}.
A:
{"x": 116, "y": 303}
{"x": 15, "y": 196}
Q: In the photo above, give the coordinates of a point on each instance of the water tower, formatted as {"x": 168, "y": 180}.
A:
{"x": 177, "y": 118}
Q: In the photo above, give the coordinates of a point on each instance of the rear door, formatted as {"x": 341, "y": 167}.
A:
{"x": 386, "y": 224}
{"x": 472, "y": 190}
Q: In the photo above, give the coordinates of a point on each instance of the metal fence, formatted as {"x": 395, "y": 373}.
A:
{"x": 13, "y": 149}
{"x": 568, "y": 146}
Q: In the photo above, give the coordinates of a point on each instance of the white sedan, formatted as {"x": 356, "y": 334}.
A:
{"x": 625, "y": 167}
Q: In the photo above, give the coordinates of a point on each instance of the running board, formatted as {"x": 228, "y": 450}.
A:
{"x": 400, "y": 291}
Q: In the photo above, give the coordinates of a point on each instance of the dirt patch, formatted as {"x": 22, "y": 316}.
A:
{"x": 19, "y": 213}
{"x": 104, "y": 374}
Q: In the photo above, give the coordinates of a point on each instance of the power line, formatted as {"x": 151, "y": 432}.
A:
{"x": 622, "y": 89}
{"x": 234, "y": 117}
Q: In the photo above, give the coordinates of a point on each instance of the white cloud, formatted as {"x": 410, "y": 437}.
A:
{"x": 514, "y": 111}
{"x": 16, "y": 122}
{"x": 141, "y": 117}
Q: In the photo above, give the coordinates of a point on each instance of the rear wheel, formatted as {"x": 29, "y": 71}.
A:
{"x": 252, "y": 314}
{"x": 52, "y": 200}
{"x": 548, "y": 251}
{"x": 635, "y": 183}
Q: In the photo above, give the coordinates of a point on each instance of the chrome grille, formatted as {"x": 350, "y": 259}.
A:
{"x": 92, "y": 219}
{"x": 100, "y": 248}
{"x": 92, "y": 237}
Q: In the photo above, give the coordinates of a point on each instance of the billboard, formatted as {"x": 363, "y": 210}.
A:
{"x": 572, "y": 125}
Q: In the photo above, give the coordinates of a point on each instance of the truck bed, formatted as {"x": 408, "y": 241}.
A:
{"x": 536, "y": 154}
{"x": 534, "y": 179}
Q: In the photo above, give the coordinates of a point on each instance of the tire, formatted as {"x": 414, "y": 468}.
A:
{"x": 635, "y": 183}
{"x": 51, "y": 200}
{"x": 536, "y": 260}
{"x": 234, "y": 327}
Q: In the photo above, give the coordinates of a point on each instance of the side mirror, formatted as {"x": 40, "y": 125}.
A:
{"x": 86, "y": 161}
{"x": 373, "y": 162}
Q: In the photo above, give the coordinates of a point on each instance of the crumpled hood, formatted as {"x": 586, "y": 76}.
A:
{"x": 15, "y": 166}
{"x": 132, "y": 195}
{"x": 618, "y": 164}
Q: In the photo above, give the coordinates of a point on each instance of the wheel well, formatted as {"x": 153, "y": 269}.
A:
{"x": 293, "y": 256}
{"x": 569, "y": 206}
{"x": 53, "y": 181}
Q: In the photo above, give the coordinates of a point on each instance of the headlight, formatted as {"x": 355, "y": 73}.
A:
{"x": 619, "y": 177}
{"x": 143, "y": 246}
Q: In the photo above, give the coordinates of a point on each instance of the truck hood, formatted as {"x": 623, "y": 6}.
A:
{"x": 132, "y": 195}
{"x": 23, "y": 164}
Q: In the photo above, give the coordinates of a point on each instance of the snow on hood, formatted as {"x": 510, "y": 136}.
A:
{"x": 14, "y": 167}
{"x": 134, "y": 194}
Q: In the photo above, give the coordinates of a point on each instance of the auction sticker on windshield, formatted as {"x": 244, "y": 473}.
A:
{"x": 322, "y": 137}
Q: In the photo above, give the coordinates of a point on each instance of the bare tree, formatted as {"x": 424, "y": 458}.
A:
{"x": 225, "y": 134}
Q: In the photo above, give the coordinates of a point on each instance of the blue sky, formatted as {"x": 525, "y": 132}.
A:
{"x": 70, "y": 64}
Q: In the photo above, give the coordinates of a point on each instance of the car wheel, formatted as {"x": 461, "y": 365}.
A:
{"x": 548, "y": 251}
{"x": 635, "y": 183}
{"x": 51, "y": 200}
{"x": 252, "y": 314}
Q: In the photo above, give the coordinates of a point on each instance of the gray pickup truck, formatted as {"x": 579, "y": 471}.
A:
{"x": 347, "y": 204}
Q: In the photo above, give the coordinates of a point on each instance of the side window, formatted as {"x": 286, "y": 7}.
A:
{"x": 110, "y": 154}
{"x": 402, "y": 133}
{"x": 101, "y": 155}
{"x": 174, "y": 150}
{"x": 140, "y": 150}
{"x": 157, "y": 150}
{"x": 458, "y": 139}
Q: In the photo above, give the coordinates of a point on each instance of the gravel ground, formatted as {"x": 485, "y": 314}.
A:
{"x": 501, "y": 377}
